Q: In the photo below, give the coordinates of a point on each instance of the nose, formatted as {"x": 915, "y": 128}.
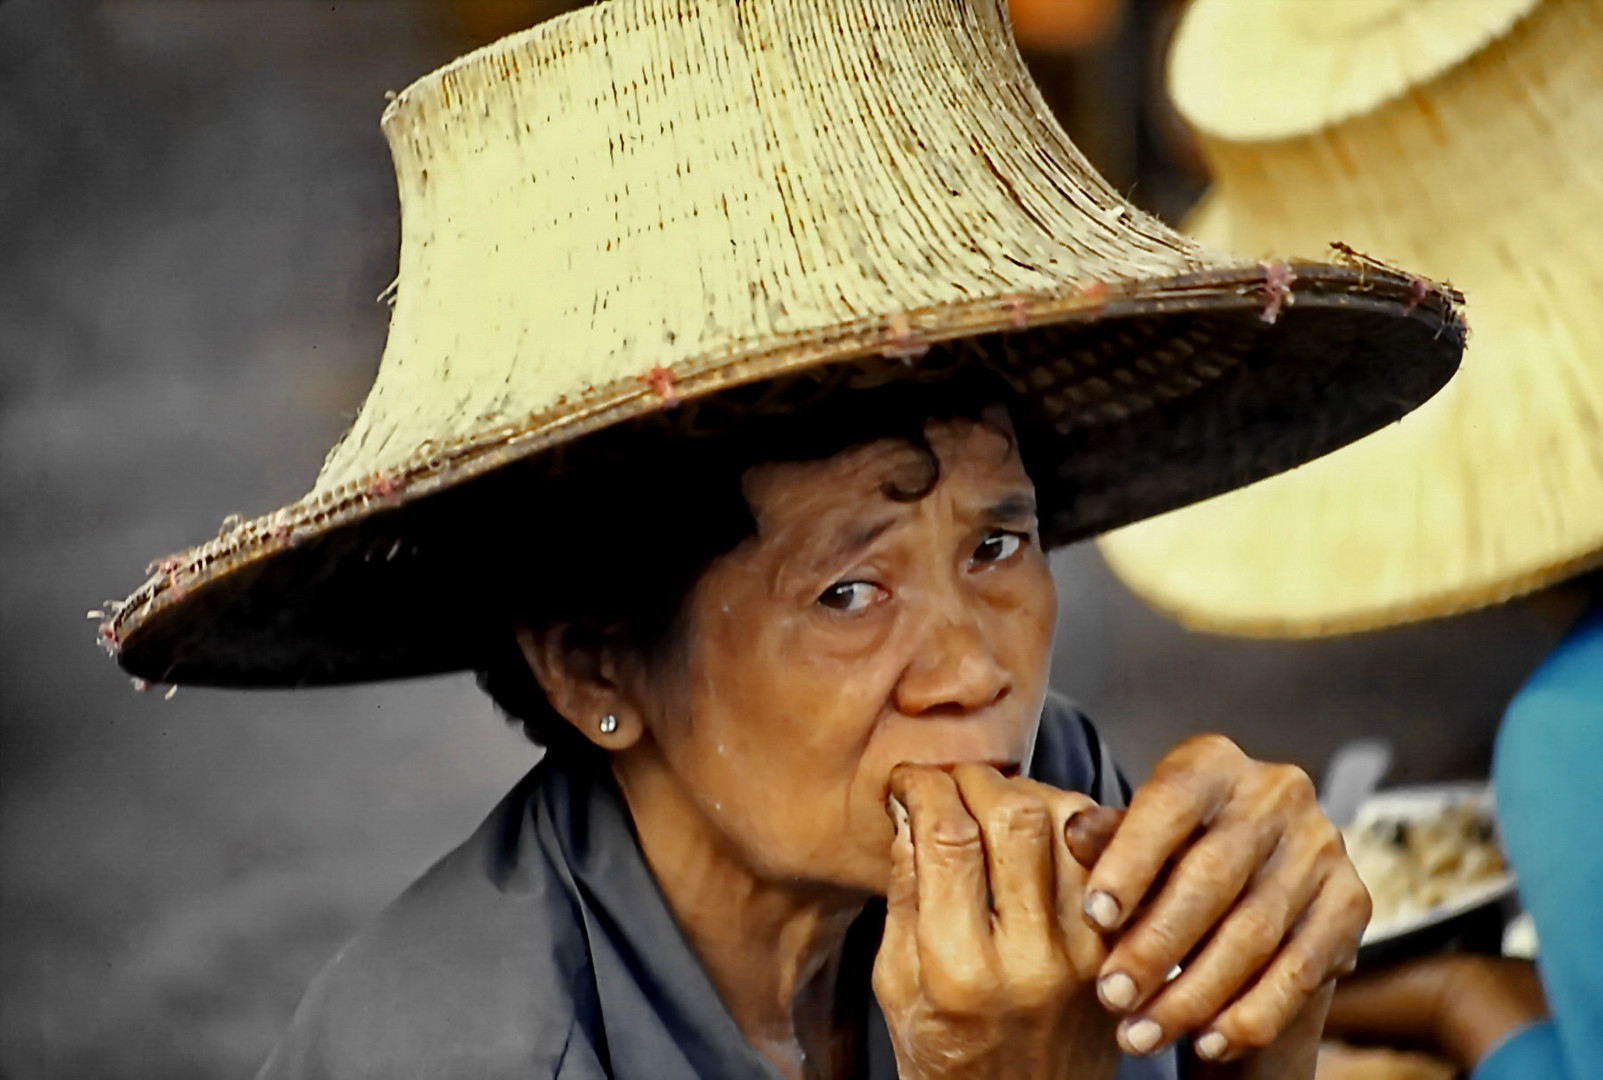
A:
{"x": 954, "y": 671}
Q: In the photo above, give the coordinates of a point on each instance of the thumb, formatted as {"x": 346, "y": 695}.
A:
{"x": 1089, "y": 832}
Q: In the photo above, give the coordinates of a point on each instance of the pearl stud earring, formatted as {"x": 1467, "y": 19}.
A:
{"x": 608, "y": 724}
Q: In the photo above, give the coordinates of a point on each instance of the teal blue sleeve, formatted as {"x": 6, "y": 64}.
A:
{"x": 1531, "y": 1053}
{"x": 1547, "y": 771}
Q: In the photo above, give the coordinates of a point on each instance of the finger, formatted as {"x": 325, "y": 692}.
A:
{"x": 1089, "y": 831}
{"x": 901, "y": 893}
{"x": 954, "y": 932}
{"x": 1086, "y": 949}
{"x": 1199, "y": 889}
{"x": 1016, "y": 827}
{"x": 1247, "y": 940}
{"x": 1325, "y": 939}
{"x": 1186, "y": 790}
{"x": 1296, "y": 1051}
{"x": 896, "y": 964}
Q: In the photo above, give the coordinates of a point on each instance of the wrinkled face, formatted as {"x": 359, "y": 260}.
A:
{"x": 854, "y": 632}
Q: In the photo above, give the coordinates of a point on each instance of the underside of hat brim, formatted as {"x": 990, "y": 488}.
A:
{"x": 1279, "y": 365}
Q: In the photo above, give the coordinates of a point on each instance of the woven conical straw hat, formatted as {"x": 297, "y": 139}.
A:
{"x": 638, "y": 209}
{"x": 1489, "y": 175}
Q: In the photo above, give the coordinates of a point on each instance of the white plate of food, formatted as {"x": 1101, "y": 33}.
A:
{"x": 1431, "y": 860}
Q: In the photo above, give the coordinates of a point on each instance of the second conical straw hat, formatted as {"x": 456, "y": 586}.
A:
{"x": 1489, "y": 174}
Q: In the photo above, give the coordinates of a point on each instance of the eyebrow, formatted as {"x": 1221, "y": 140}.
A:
{"x": 1019, "y": 506}
{"x": 857, "y": 536}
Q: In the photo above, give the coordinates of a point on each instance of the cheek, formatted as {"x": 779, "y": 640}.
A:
{"x": 1024, "y": 611}
{"x": 776, "y": 733}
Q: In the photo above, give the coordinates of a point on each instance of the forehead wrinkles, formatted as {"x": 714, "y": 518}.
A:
{"x": 812, "y": 500}
{"x": 785, "y": 494}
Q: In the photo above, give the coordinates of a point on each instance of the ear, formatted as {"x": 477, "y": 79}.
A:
{"x": 580, "y": 681}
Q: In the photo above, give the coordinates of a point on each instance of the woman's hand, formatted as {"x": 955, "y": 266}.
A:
{"x": 999, "y": 989}
{"x": 1227, "y": 866}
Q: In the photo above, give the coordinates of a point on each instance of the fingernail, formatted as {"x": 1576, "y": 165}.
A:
{"x": 1117, "y": 991}
{"x": 1143, "y": 1036}
{"x": 1212, "y": 1046}
{"x": 898, "y": 813}
{"x": 1102, "y": 909}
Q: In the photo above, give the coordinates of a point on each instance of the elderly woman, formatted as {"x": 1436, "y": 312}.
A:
{"x": 729, "y": 409}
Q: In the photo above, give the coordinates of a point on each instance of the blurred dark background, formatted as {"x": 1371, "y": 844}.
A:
{"x": 196, "y": 214}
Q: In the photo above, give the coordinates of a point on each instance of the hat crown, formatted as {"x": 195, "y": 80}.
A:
{"x": 653, "y": 184}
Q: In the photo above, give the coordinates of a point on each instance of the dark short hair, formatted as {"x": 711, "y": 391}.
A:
{"x": 623, "y": 528}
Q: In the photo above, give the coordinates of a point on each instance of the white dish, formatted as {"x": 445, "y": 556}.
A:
{"x": 1421, "y": 804}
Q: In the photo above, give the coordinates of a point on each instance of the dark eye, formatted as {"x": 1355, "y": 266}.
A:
{"x": 850, "y": 596}
{"x": 998, "y": 547}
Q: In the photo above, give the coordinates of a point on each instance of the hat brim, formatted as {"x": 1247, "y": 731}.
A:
{"x": 1156, "y": 394}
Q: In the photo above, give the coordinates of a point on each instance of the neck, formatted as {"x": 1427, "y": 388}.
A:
{"x": 773, "y": 948}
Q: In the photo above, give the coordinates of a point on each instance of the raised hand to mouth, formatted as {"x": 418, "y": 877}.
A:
{"x": 1220, "y": 906}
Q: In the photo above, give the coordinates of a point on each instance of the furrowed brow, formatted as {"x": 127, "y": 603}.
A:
{"x": 857, "y": 536}
{"x": 1018, "y": 507}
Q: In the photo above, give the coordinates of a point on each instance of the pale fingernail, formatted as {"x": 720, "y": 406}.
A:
{"x": 1102, "y": 909}
{"x": 1117, "y": 991}
{"x": 1212, "y": 1046}
{"x": 1143, "y": 1036}
{"x": 898, "y": 813}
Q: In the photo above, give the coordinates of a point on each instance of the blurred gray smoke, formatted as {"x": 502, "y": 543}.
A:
{"x": 196, "y": 213}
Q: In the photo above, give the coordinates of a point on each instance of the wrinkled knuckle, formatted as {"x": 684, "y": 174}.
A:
{"x": 1041, "y": 984}
{"x": 1020, "y": 815}
{"x": 1184, "y": 1007}
{"x": 1306, "y": 971}
{"x": 1315, "y": 971}
{"x": 1359, "y": 901}
{"x": 959, "y": 988}
{"x": 1332, "y": 848}
{"x": 1260, "y": 926}
{"x": 1068, "y": 803}
{"x": 1215, "y": 745}
{"x": 1292, "y": 785}
{"x": 1175, "y": 795}
{"x": 1207, "y": 865}
{"x": 954, "y": 833}
{"x": 1150, "y": 954}
{"x": 1252, "y": 1029}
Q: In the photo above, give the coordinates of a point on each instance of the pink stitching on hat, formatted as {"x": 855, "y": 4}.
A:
{"x": 902, "y": 346}
{"x": 1276, "y": 290}
{"x": 661, "y": 380}
{"x": 1418, "y": 289}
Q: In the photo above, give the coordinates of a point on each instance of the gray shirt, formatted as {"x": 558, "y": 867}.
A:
{"x": 542, "y": 948}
